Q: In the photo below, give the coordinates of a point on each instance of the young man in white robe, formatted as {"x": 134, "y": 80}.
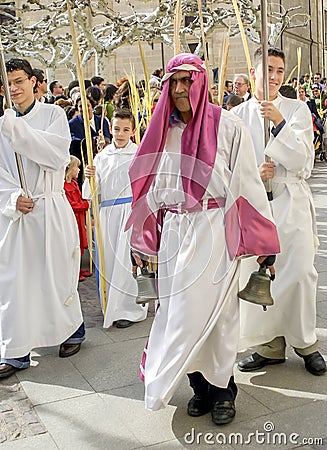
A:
{"x": 292, "y": 319}
{"x": 39, "y": 244}
{"x": 198, "y": 205}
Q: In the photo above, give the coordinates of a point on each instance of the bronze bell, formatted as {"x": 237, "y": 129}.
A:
{"x": 257, "y": 290}
{"x": 146, "y": 286}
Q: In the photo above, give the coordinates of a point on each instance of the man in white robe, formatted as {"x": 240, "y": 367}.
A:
{"x": 39, "y": 244}
{"x": 292, "y": 319}
{"x": 199, "y": 204}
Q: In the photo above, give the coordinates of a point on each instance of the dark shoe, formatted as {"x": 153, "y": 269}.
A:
{"x": 223, "y": 412}
{"x": 122, "y": 323}
{"x": 314, "y": 363}
{"x": 256, "y": 361}
{"x": 198, "y": 406}
{"x": 67, "y": 350}
{"x": 6, "y": 370}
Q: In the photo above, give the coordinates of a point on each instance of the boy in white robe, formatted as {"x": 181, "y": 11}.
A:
{"x": 292, "y": 319}
{"x": 113, "y": 185}
{"x": 39, "y": 246}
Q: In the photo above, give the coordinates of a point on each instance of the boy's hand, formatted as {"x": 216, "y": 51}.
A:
{"x": 269, "y": 111}
{"x": 24, "y": 205}
{"x": 90, "y": 171}
{"x": 267, "y": 170}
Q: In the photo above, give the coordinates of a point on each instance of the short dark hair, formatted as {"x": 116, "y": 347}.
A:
{"x": 94, "y": 92}
{"x": 52, "y": 85}
{"x": 90, "y": 99}
{"x": 124, "y": 113}
{"x": 234, "y": 100}
{"x": 288, "y": 91}
{"x": 109, "y": 92}
{"x": 272, "y": 51}
{"x": 19, "y": 64}
{"x": 39, "y": 74}
{"x": 227, "y": 83}
{"x": 96, "y": 80}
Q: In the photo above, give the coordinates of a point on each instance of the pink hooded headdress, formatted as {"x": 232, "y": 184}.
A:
{"x": 199, "y": 144}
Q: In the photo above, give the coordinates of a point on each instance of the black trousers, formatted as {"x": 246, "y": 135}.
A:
{"x": 203, "y": 388}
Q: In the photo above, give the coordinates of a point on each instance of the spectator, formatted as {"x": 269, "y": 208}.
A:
{"x": 41, "y": 87}
{"x": 98, "y": 82}
{"x": 109, "y": 94}
{"x": 241, "y": 86}
{"x": 55, "y": 89}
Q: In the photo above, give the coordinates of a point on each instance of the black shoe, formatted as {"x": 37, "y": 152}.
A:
{"x": 6, "y": 370}
{"x": 223, "y": 412}
{"x": 314, "y": 363}
{"x": 67, "y": 350}
{"x": 256, "y": 361}
{"x": 198, "y": 406}
{"x": 123, "y": 323}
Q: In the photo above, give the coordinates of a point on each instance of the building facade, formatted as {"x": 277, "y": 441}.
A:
{"x": 312, "y": 39}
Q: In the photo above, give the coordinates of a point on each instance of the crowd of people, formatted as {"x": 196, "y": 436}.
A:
{"x": 190, "y": 198}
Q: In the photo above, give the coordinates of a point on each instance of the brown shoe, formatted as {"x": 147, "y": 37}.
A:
{"x": 67, "y": 350}
{"x": 6, "y": 370}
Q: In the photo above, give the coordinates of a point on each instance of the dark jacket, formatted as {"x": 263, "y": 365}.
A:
{"x": 77, "y": 132}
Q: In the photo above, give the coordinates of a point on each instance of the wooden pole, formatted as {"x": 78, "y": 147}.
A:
{"x": 223, "y": 68}
{"x": 264, "y": 45}
{"x": 3, "y": 73}
{"x": 177, "y": 27}
{"x": 204, "y": 44}
{"x": 244, "y": 41}
{"x": 88, "y": 139}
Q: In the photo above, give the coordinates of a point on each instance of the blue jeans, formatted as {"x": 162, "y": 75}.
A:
{"x": 78, "y": 336}
{"x": 24, "y": 361}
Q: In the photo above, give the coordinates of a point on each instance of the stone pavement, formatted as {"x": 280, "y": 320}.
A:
{"x": 94, "y": 400}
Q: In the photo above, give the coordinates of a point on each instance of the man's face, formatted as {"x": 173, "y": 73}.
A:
{"x": 302, "y": 95}
{"x": 21, "y": 88}
{"x": 316, "y": 78}
{"x": 58, "y": 89}
{"x": 316, "y": 92}
{"x": 43, "y": 87}
{"x": 179, "y": 86}
{"x": 102, "y": 86}
{"x": 275, "y": 77}
{"x": 240, "y": 86}
{"x": 229, "y": 87}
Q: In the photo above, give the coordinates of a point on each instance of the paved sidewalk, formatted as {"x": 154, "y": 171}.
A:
{"x": 94, "y": 400}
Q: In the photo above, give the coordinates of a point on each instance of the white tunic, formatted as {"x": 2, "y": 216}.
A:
{"x": 294, "y": 290}
{"x": 113, "y": 183}
{"x": 196, "y": 327}
{"x": 39, "y": 251}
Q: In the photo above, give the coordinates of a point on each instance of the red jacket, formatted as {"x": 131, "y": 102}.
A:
{"x": 79, "y": 206}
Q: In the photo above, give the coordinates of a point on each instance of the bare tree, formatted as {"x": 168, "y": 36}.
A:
{"x": 101, "y": 30}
